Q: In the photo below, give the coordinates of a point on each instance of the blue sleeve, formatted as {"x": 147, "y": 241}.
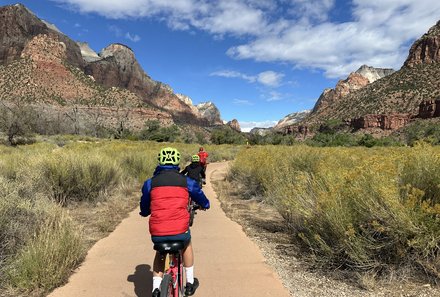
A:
{"x": 145, "y": 199}
{"x": 196, "y": 193}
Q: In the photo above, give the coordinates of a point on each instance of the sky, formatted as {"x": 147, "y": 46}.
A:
{"x": 257, "y": 60}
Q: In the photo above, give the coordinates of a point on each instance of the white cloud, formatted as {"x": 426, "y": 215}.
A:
{"x": 270, "y": 78}
{"x": 247, "y": 126}
{"x": 267, "y": 78}
{"x": 242, "y": 102}
{"x": 134, "y": 38}
{"x": 300, "y": 32}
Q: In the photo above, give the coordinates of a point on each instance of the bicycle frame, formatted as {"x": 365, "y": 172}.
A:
{"x": 175, "y": 270}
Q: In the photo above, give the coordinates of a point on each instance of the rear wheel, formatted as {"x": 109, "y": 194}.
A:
{"x": 166, "y": 286}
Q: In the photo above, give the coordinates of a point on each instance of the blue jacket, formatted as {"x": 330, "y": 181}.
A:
{"x": 194, "y": 190}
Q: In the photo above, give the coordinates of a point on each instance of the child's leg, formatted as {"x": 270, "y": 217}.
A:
{"x": 188, "y": 262}
{"x": 158, "y": 265}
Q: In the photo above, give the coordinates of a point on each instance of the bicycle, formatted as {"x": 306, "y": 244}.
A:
{"x": 192, "y": 211}
{"x": 172, "y": 281}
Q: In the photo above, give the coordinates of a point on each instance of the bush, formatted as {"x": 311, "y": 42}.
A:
{"x": 364, "y": 209}
{"x": 226, "y": 135}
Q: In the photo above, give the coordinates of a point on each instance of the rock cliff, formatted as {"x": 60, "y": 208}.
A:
{"x": 234, "y": 125}
{"x": 118, "y": 67}
{"x": 291, "y": 119}
{"x": 210, "y": 112}
{"x": 425, "y": 50}
{"x": 18, "y": 26}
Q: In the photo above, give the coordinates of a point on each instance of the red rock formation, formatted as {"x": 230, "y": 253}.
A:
{"x": 18, "y": 26}
{"x": 426, "y": 49}
{"x": 382, "y": 121}
{"x": 354, "y": 81}
{"x": 299, "y": 130}
{"x": 234, "y": 125}
{"x": 429, "y": 109}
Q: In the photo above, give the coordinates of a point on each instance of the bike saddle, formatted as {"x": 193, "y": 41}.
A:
{"x": 169, "y": 247}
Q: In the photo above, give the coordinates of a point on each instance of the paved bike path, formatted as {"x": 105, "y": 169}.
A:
{"x": 227, "y": 263}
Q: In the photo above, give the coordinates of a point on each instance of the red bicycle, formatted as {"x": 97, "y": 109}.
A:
{"x": 172, "y": 284}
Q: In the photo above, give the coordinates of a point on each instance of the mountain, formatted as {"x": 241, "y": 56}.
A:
{"x": 18, "y": 26}
{"x": 48, "y": 71}
{"x": 291, "y": 119}
{"x": 118, "y": 67}
{"x": 396, "y": 97}
{"x": 355, "y": 81}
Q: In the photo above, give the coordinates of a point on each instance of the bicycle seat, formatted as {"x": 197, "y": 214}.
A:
{"x": 169, "y": 247}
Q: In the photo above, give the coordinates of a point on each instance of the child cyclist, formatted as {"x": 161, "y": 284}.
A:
{"x": 203, "y": 155}
{"x": 195, "y": 170}
{"x": 165, "y": 197}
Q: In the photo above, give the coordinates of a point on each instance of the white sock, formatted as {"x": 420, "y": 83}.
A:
{"x": 189, "y": 271}
{"x": 156, "y": 282}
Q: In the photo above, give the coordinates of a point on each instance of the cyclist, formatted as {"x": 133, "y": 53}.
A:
{"x": 165, "y": 197}
{"x": 203, "y": 160}
{"x": 195, "y": 170}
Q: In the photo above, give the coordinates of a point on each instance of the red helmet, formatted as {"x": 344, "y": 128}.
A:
{"x": 200, "y": 149}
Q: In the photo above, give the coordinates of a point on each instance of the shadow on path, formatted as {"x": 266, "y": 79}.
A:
{"x": 142, "y": 278}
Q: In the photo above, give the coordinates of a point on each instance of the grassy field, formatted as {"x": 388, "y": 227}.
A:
{"x": 369, "y": 210}
{"x": 59, "y": 196}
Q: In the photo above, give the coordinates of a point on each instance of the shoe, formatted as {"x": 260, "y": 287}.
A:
{"x": 190, "y": 289}
{"x": 156, "y": 293}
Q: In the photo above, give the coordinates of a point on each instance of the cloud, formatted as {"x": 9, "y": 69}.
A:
{"x": 303, "y": 33}
{"x": 247, "y": 126}
{"x": 270, "y": 78}
{"x": 242, "y": 102}
{"x": 134, "y": 38}
{"x": 267, "y": 78}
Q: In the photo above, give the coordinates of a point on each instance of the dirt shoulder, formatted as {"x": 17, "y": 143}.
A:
{"x": 265, "y": 227}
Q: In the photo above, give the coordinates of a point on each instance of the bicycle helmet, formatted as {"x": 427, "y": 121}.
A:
{"x": 195, "y": 158}
{"x": 169, "y": 156}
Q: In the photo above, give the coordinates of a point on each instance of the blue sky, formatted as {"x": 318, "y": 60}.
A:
{"x": 257, "y": 60}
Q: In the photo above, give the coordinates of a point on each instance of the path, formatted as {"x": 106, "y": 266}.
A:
{"x": 228, "y": 264}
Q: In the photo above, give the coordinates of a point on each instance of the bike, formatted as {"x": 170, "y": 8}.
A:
{"x": 172, "y": 284}
{"x": 172, "y": 281}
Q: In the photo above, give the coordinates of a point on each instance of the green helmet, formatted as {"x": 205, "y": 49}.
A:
{"x": 195, "y": 158}
{"x": 169, "y": 156}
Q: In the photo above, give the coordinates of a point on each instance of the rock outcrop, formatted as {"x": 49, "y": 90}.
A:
{"x": 382, "y": 121}
{"x": 18, "y": 26}
{"x": 87, "y": 53}
{"x": 291, "y": 119}
{"x": 210, "y": 112}
{"x": 261, "y": 131}
{"x": 354, "y": 81}
{"x": 118, "y": 67}
{"x": 234, "y": 125}
{"x": 425, "y": 50}
{"x": 373, "y": 74}
{"x": 429, "y": 109}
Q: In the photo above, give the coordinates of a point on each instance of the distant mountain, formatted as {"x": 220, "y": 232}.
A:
{"x": 398, "y": 93}
{"x": 42, "y": 66}
{"x": 355, "y": 81}
{"x": 291, "y": 119}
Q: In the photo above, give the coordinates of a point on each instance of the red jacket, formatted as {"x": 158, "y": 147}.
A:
{"x": 166, "y": 196}
{"x": 203, "y": 156}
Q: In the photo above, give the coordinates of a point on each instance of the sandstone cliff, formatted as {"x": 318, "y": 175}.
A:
{"x": 18, "y": 26}
{"x": 291, "y": 119}
{"x": 65, "y": 97}
{"x": 394, "y": 95}
{"x": 234, "y": 125}
{"x": 426, "y": 50}
{"x": 118, "y": 67}
{"x": 210, "y": 112}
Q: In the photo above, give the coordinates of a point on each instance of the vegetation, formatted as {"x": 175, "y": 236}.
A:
{"x": 57, "y": 194}
{"x": 368, "y": 210}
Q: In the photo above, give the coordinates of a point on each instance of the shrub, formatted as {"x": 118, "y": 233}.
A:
{"x": 363, "y": 209}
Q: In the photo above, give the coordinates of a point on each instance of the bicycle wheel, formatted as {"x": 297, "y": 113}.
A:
{"x": 166, "y": 286}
